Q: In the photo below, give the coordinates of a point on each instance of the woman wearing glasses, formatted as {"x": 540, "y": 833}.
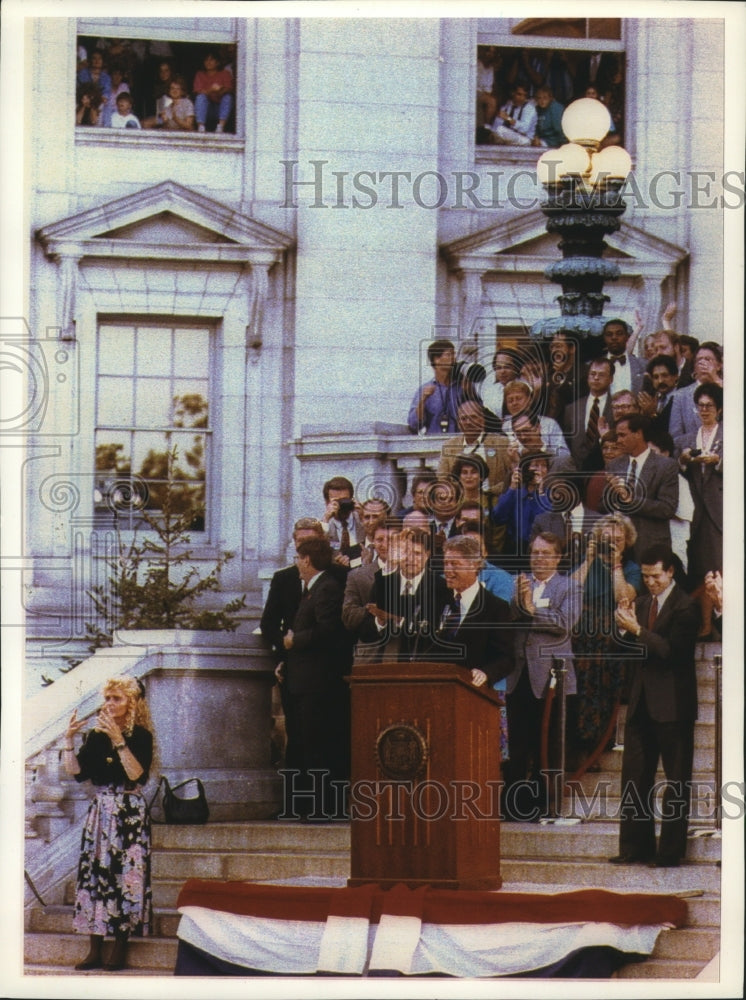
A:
{"x": 701, "y": 461}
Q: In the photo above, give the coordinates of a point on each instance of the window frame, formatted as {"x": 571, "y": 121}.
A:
{"x": 203, "y": 542}
{"x": 526, "y": 156}
{"x": 135, "y": 30}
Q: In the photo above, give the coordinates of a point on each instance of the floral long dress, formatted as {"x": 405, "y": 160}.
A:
{"x": 599, "y": 656}
{"x": 113, "y": 894}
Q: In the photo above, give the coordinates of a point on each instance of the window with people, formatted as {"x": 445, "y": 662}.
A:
{"x": 125, "y": 83}
{"x": 523, "y": 91}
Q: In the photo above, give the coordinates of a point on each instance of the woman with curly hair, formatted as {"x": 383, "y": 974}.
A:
{"x": 113, "y": 887}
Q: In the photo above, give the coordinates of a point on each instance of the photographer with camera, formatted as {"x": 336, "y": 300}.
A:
{"x": 434, "y": 409}
{"x": 522, "y": 502}
{"x": 342, "y": 521}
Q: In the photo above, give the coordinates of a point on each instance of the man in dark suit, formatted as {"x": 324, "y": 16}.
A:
{"x": 629, "y": 370}
{"x": 474, "y": 628}
{"x": 661, "y": 711}
{"x": 360, "y": 592}
{"x": 318, "y": 654}
{"x": 643, "y": 484}
{"x": 656, "y": 397}
{"x": 408, "y": 600}
{"x": 588, "y": 418}
{"x": 285, "y": 591}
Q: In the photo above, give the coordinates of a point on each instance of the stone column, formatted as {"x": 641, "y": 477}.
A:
{"x": 210, "y": 699}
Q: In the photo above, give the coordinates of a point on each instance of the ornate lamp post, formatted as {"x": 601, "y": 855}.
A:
{"x": 584, "y": 203}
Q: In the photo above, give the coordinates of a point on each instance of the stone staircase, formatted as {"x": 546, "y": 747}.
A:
{"x": 566, "y": 854}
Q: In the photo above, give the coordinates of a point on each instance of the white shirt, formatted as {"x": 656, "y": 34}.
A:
{"x": 640, "y": 460}
{"x": 492, "y": 397}
{"x": 538, "y": 589}
{"x": 662, "y": 598}
{"x": 468, "y": 597}
{"x": 414, "y": 583}
{"x": 314, "y": 578}
{"x": 622, "y": 376}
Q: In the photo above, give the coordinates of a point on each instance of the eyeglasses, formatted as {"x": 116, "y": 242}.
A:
{"x": 706, "y": 406}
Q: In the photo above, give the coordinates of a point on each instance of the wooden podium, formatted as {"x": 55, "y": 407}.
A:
{"x": 424, "y": 795}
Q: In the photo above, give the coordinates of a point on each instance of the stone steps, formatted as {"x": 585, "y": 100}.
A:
{"x": 536, "y": 857}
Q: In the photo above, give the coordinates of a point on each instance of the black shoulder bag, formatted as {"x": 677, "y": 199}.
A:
{"x": 182, "y": 805}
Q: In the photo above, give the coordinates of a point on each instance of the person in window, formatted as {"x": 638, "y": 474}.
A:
{"x": 113, "y": 886}
{"x": 119, "y": 85}
{"x": 515, "y": 123}
{"x": 178, "y": 116}
{"x": 612, "y": 138}
{"x": 94, "y": 72}
{"x": 161, "y": 98}
{"x": 486, "y": 100}
{"x": 213, "y": 94}
{"x": 88, "y": 107}
{"x": 123, "y": 117}
{"x": 549, "y": 132}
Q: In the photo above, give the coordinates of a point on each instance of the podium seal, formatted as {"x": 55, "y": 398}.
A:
{"x": 401, "y": 751}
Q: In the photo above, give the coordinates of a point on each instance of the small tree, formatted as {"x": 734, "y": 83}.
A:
{"x": 152, "y": 584}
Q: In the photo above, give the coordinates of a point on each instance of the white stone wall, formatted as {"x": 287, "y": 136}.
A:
{"x": 351, "y": 307}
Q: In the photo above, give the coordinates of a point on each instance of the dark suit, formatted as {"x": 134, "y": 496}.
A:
{"x": 483, "y": 639}
{"x": 660, "y": 725}
{"x": 574, "y": 425}
{"x": 316, "y": 694}
{"x": 655, "y": 501}
{"x": 411, "y": 630}
{"x": 284, "y": 595}
{"x": 706, "y": 536}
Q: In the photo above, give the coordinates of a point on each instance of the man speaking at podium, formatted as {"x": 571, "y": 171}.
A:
{"x": 474, "y": 625}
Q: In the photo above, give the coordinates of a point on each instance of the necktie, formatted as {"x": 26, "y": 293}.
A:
{"x": 653, "y": 613}
{"x": 619, "y": 359}
{"x": 344, "y": 545}
{"x": 591, "y": 431}
{"x": 453, "y": 618}
{"x": 408, "y": 588}
{"x": 632, "y": 474}
{"x": 305, "y": 591}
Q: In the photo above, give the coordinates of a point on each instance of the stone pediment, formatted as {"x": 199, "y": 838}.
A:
{"x": 523, "y": 240}
{"x": 167, "y": 221}
{"x": 165, "y": 228}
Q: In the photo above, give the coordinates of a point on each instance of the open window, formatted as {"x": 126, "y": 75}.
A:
{"x": 517, "y": 60}
{"x": 182, "y": 80}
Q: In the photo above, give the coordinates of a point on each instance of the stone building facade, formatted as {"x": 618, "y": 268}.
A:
{"x": 290, "y": 271}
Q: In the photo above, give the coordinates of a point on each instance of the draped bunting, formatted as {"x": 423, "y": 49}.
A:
{"x": 242, "y": 928}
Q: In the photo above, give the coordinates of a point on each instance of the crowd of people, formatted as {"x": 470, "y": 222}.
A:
{"x": 521, "y": 93}
{"x": 571, "y": 534}
{"x": 561, "y": 508}
{"x": 128, "y": 84}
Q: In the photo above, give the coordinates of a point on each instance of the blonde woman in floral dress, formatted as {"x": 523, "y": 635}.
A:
{"x": 113, "y": 887}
